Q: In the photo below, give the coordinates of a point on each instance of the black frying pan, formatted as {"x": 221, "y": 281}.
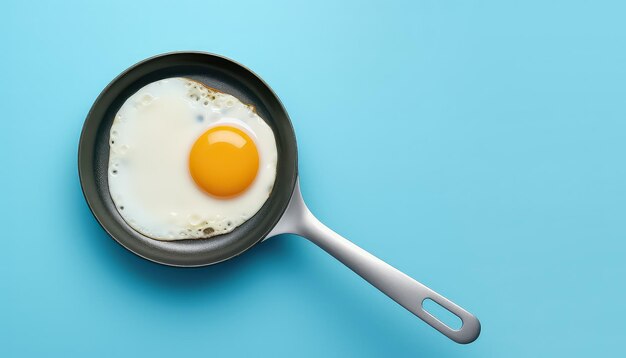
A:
{"x": 283, "y": 212}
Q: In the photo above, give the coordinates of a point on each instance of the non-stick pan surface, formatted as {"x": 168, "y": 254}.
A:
{"x": 217, "y": 72}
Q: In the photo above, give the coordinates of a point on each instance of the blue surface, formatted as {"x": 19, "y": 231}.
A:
{"x": 477, "y": 146}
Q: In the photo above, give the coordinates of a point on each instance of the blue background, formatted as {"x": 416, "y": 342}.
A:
{"x": 476, "y": 145}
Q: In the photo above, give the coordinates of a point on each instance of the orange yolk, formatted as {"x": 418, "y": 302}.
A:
{"x": 224, "y": 161}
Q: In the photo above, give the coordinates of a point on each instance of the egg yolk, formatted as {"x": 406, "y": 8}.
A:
{"x": 224, "y": 161}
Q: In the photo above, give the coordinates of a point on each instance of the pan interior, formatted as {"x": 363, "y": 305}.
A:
{"x": 221, "y": 74}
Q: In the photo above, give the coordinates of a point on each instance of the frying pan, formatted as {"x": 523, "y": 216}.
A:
{"x": 283, "y": 212}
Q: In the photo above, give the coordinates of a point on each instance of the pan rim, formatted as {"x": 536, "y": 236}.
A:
{"x": 92, "y": 196}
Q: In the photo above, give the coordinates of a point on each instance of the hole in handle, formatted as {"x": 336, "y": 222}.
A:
{"x": 443, "y": 314}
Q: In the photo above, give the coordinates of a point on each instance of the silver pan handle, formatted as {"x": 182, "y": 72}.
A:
{"x": 406, "y": 291}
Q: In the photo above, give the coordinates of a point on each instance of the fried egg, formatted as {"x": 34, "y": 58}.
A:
{"x": 187, "y": 161}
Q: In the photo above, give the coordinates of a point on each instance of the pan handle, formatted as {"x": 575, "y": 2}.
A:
{"x": 406, "y": 291}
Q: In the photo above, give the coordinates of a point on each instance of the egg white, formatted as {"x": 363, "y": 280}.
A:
{"x": 148, "y": 174}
